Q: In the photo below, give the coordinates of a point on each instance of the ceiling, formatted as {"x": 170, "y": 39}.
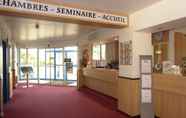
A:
{"x": 25, "y": 29}
{"x": 178, "y": 25}
{"x": 125, "y": 6}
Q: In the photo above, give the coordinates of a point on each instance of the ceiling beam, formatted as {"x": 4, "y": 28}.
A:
{"x": 45, "y": 10}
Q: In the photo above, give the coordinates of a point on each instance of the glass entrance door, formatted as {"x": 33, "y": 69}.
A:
{"x": 72, "y": 54}
{"x": 59, "y": 65}
{"x": 54, "y": 64}
{"x": 48, "y": 64}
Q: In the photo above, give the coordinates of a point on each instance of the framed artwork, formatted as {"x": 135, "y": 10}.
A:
{"x": 126, "y": 53}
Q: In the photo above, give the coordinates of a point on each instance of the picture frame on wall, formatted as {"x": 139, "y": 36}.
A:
{"x": 126, "y": 53}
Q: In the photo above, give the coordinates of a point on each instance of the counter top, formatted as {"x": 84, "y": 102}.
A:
{"x": 173, "y": 75}
{"x": 102, "y": 69}
{"x": 101, "y": 73}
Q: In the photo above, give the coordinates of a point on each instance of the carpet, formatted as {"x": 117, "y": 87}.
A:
{"x": 60, "y": 102}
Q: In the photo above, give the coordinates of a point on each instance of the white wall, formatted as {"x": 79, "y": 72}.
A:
{"x": 156, "y": 14}
{"x": 141, "y": 43}
{"x": 4, "y": 30}
{"x": 159, "y": 13}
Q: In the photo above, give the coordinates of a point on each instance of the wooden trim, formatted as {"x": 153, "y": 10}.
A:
{"x": 122, "y": 77}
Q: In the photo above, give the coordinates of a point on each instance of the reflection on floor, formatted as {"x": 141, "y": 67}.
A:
{"x": 60, "y": 102}
{"x": 52, "y": 82}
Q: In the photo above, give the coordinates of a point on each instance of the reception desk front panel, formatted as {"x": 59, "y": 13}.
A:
{"x": 169, "y": 92}
{"x": 101, "y": 80}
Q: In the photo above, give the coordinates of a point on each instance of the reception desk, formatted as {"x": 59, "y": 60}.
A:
{"x": 129, "y": 96}
{"x": 102, "y": 80}
{"x": 169, "y": 93}
{"x": 107, "y": 81}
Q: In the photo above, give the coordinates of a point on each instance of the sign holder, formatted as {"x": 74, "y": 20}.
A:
{"x": 146, "y": 100}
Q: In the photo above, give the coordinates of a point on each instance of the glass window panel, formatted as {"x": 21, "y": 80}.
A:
{"x": 49, "y": 72}
{"x": 23, "y": 57}
{"x": 73, "y": 57}
{"x": 42, "y": 63}
{"x": 32, "y": 60}
{"x": 103, "y": 52}
{"x": 49, "y": 58}
{"x": 96, "y": 52}
{"x": 59, "y": 49}
{"x": 59, "y": 72}
{"x": 59, "y": 58}
{"x": 50, "y": 64}
{"x": 23, "y": 61}
{"x": 47, "y": 61}
{"x": 74, "y": 48}
{"x": 72, "y": 75}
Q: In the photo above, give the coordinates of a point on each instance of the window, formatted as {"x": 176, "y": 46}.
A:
{"x": 103, "y": 52}
{"x": 32, "y": 60}
{"x": 42, "y": 63}
{"x": 23, "y": 58}
{"x": 99, "y": 52}
{"x": 23, "y": 61}
{"x": 48, "y": 63}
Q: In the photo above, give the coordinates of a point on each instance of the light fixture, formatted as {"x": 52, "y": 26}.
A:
{"x": 37, "y": 26}
{"x": 158, "y": 52}
{"x": 116, "y": 38}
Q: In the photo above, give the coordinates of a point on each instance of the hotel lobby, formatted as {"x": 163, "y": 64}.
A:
{"x": 92, "y": 59}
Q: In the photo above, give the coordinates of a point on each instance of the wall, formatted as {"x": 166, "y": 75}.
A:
{"x": 152, "y": 16}
{"x": 54, "y": 43}
{"x": 159, "y": 13}
{"x": 141, "y": 44}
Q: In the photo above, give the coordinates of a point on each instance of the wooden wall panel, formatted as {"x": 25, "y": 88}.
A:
{"x": 178, "y": 47}
{"x": 102, "y": 80}
{"x": 157, "y": 100}
{"x": 169, "y": 94}
{"x": 165, "y": 45}
{"x": 129, "y": 96}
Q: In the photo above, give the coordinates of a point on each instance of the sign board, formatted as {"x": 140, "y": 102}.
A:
{"x": 146, "y": 87}
{"x": 67, "y": 60}
{"x": 26, "y": 69}
{"x": 25, "y": 6}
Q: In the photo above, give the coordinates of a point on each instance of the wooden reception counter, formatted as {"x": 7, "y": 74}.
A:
{"x": 102, "y": 80}
{"x": 107, "y": 81}
{"x": 169, "y": 93}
